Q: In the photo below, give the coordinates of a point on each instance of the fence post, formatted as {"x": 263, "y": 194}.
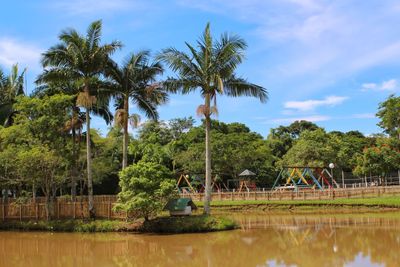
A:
{"x": 4, "y": 212}
{"x": 74, "y": 209}
{"x": 20, "y": 212}
{"x": 58, "y": 210}
{"x": 109, "y": 210}
{"x": 37, "y": 211}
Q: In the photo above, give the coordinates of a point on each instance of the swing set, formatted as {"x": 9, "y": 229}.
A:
{"x": 195, "y": 184}
{"x": 297, "y": 178}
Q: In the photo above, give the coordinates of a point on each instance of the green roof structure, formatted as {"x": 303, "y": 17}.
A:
{"x": 180, "y": 204}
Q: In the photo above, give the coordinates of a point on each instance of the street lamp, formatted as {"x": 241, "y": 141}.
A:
{"x": 331, "y": 166}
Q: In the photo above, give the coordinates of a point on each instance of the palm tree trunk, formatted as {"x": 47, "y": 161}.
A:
{"x": 74, "y": 154}
{"x": 126, "y": 135}
{"x": 207, "y": 198}
{"x": 89, "y": 165}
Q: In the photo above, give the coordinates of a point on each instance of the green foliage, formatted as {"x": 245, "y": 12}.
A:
{"x": 11, "y": 87}
{"x": 313, "y": 148}
{"x": 380, "y": 159}
{"x": 188, "y": 224}
{"x": 282, "y": 138}
{"x": 145, "y": 189}
{"x": 67, "y": 226}
{"x": 388, "y": 112}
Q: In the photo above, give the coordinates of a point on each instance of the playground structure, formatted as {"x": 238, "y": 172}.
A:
{"x": 297, "y": 178}
{"x": 195, "y": 184}
{"x": 245, "y": 182}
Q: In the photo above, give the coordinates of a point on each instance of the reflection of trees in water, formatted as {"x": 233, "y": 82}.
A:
{"x": 291, "y": 240}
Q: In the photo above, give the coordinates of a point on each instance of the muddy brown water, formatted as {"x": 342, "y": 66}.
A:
{"x": 265, "y": 239}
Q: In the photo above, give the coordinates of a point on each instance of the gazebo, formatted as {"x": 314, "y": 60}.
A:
{"x": 244, "y": 181}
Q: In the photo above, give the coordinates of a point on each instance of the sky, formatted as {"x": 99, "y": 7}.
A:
{"x": 329, "y": 62}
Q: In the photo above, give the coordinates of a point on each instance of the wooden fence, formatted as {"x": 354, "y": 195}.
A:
{"x": 302, "y": 194}
{"x": 64, "y": 208}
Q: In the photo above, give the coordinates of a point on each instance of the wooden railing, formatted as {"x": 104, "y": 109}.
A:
{"x": 64, "y": 208}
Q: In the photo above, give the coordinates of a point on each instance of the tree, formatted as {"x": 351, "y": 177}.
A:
{"x": 11, "y": 86}
{"x": 281, "y": 139}
{"x": 32, "y": 149}
{"x": 211, "y": 69}
{"x": 388, "y": 112}
{"x": 313, "y": 148}
{"x": 380, "y": 159}
{"x": 135, "y": 81}
{"x": 83, "y": 60}
{"x": 44, "y": 168}
{"x": 146, "y": 187}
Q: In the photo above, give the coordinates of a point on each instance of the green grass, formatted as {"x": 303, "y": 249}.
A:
{"x": 188, "y": 224}
{"x": 66, "y": 226}
{"x": 390, "y": 202}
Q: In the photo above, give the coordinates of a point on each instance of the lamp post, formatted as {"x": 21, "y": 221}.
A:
{"x": 331, "y": 166}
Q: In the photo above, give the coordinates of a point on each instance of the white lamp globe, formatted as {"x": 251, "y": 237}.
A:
{"x": 331, "y": 165}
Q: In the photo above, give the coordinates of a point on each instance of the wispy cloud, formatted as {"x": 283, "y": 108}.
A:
{"x": 317, "y": 42}
{"x": 13, "y": 51}
{"x": 362, "y": 116}
{"x": 309, "y": 105}
{"x": 315, "y": 118}
{"x": 389, "y": 85}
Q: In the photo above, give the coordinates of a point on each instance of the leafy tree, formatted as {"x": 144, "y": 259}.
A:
{"x": 313, "y": 148}
{"x": 388, "y": 112}
{"x": 82, "y": 60}
{"x": 179, "y": 126}
{"x": 234, "y": 147}
{"x": 380, "y": 159}
{"x": 282, "y": 138}
{"x": 11, "y": 86}
{"x": 135, "y": 81}
{"x": 146, "y": 187}
{"x": 210, "y": 69}
{"x": 44, "y": 168}
{"x": 37, "y": 130}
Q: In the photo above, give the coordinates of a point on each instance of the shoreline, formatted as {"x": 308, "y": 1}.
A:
{"x": 162, "y": 224}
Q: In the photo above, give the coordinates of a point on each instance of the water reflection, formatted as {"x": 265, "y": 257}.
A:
{"x": 265, "y": 240}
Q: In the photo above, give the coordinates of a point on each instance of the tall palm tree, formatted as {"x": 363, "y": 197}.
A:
{"x": 134, "y": 82}
{"x": 81, "y": 59}
{"x": 11, "y": 86}
{"x": 211, "y": 70}
{"x": 76, "y": 119}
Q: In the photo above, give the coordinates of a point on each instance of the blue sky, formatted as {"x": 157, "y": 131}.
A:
{"x": 330, "y": 62}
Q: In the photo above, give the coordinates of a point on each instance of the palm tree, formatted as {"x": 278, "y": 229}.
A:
{"x": 81, "y": 59}
{"x": 76, "y": 119}
{"x": 210, "y": 69}
{"x": 135, "y": 81}
{"x": 11, "y": 86}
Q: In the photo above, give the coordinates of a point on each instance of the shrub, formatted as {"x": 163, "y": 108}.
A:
{"x": 145, "y": 189}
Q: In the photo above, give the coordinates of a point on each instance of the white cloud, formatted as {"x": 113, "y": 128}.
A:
{"x": 363, "y": 116}
{"x": 14, "y": 51}
{"x": 84, "y": 7}
{"x": 317, "y": 42}
{"x": 309, "y": 105}
{"x": 389, "y": 85}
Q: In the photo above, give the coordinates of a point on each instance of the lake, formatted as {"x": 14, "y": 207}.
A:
{"x": 266, "y": 239}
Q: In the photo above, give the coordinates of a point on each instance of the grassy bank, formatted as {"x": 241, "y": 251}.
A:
{"x": 381, "y": 202}
{"x": 189, "y": 224}
{"x": 68, "y": 226}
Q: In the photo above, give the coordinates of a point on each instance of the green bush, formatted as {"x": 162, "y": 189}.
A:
{"x": 145, "y": 189}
